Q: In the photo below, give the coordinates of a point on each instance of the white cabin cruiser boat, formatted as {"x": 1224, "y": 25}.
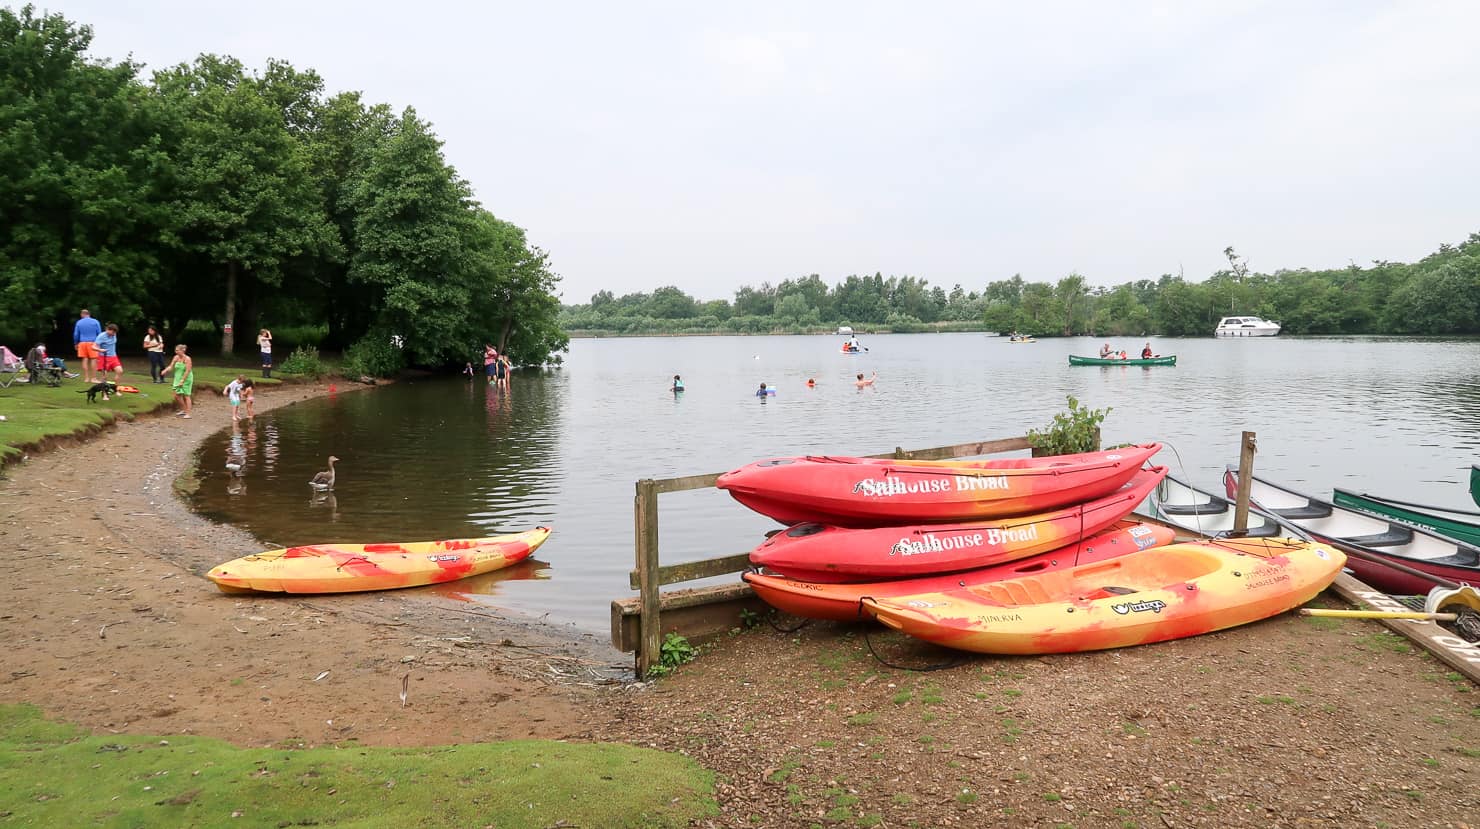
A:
{"x": 1246, "y": 327}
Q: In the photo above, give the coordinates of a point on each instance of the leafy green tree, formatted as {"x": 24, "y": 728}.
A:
{"x": 240, "y": 199}
{"x": 412, "y": 223}
{"x": 77, "y": 157}
{"x": 670, "y": 303}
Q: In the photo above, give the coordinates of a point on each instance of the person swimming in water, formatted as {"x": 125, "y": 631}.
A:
{"x": 811, "y": 382}
{"x": 677, "y": 384}
{"x": 861, "y": 382}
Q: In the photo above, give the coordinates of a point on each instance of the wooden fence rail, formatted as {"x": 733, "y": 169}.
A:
{"x": 637, "y": 622}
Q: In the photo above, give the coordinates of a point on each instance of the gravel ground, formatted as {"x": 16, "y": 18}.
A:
{"x": 1290, "y": 722}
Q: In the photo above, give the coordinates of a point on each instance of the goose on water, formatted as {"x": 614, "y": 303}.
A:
{"x": 324, "y": 481}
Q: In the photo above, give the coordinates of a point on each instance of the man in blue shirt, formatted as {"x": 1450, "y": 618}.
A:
{"x": 107, "y": 345}
{"x": 84, "y": 338}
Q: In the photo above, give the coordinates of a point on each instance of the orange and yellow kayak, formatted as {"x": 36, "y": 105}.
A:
{"x": 1162, "y": 593}
{"x": 839, "y": 602}
{"x": 346, "y": 568}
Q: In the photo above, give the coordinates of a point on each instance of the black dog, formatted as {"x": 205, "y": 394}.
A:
{"x": 104, "y": 388}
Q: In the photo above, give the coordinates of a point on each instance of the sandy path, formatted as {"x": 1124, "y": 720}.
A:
{"x": 106, "y": 620}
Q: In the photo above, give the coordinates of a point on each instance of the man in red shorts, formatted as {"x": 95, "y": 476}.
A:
{"x": 107, "y": 345}
{"x": 84, "y": 338}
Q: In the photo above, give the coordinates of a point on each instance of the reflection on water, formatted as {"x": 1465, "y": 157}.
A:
{"x": 446, "y": 458}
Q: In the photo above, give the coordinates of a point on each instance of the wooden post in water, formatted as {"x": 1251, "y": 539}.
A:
{"x": 645, "y": 512}
{"x": 1245, "y": 481}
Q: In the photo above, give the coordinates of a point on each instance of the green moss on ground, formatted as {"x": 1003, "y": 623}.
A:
{"x": 53, "y": 774}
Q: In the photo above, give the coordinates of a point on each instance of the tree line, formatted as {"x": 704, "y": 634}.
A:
{"x": 1439, "y": 295}
{"x": 241, "y": 199}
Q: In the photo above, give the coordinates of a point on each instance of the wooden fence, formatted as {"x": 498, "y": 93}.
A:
{"x": 636, "y": 622}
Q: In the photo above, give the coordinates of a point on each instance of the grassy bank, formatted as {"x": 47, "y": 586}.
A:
{"x": 36, "y": 413}
{"x": 53, "y": 774}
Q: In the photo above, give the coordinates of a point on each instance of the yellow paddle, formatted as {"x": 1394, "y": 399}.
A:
{"x": 1378, "y": 614}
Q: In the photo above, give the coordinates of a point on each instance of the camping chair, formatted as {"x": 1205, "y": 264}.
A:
{"x": 11, "y": 367}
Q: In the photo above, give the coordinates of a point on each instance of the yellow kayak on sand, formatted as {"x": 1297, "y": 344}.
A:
{"x": 347, "y": 568}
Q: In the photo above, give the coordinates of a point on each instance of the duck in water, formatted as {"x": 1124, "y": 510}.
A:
{"x": 324, "y": 481}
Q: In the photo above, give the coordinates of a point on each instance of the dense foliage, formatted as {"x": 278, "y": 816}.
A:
{"x": 246, "y": 200}
{"x": 1437, "y": 295}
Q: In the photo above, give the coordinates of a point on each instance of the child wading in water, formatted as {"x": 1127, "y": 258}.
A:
{"x": 233, "y": 392}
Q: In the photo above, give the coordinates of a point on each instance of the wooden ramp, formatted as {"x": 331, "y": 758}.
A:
{"x": 1448, "y": 648}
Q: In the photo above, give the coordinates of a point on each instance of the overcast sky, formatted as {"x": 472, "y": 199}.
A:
{"x": 710, "y": 145}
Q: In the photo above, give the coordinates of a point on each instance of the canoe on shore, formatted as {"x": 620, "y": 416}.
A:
{"x": 883, "y": 492}
{"x": 1460, "y": 525}
{"x": 1186, "y": 506}
{"x": 820, "y": 553}
{"x": 839, "y": 602}
{"x": 1169, "y": 360}
{"x": 1151, "y": 596}
{"x": 348, "y": 568}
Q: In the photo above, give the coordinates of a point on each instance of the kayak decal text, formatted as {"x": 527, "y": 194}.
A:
{"x": 1155, "y": 606}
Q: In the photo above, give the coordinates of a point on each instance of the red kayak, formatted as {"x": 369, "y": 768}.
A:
{"x": 839, "y": 602}
{"x": 873, "y": 492}
{"x": 819, "y": 553}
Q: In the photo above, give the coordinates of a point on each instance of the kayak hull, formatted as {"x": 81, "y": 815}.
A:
{"x": 875, "y": 492}
{"x": 821, "y": 553}
{"x": 1155, "y": 595}
{"x": 1169, "y": 360}
{"x": 347, "y": 568}
{"x": 839, "y": 602}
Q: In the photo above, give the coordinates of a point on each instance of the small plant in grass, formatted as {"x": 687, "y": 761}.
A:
{"x": 749, "y": 618}
{"x": 866, "y": 718}
{"x": 966, "y": 797}
{"x": 901, "y": 696}
{"x": 1052, "y": 797}
{"x": 675, "y": 651}
{"x": 304, "y": 361}
{"x": 1073, "y": 431}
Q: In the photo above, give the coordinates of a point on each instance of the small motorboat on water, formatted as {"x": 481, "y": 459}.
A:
{"x": 1246, "y": 327}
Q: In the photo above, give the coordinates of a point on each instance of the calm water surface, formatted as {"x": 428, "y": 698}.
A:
{"x": 449, "y": 458}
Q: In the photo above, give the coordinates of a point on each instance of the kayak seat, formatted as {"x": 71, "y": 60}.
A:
{"x": 1015, "y": 592}
{"x": 1305, "y": 512}
{"x": 1269, "y": 529}
{"x": 1214, "y": 507}
{"x": 1106, "y": 592}
{"x": 1393, "y": 537}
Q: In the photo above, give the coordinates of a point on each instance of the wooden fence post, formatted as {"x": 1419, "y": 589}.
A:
{"x": 1245, "y": 481}
{"x": 645, "y": 512}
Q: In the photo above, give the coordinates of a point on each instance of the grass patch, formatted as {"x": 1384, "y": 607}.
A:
{"x": 53, "y": 774}
{"x": 35, "y": 412}
{"x": 1385, "y": 641}
{"x": 866, "y": 718}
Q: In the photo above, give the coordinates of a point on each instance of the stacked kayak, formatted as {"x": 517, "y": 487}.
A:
{"x": 1013, "y": 556}
{"x": 830, "y": 554}
{"x": 344, "y": 568}
{"x": 874, "y": 492}
{"x": 840, "y": 602}
{"x": 1152, "y": 596}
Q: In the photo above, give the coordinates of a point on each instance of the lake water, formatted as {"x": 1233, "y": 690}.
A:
{"x": 442, "y": 458}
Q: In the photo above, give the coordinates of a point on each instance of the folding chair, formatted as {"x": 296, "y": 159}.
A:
{"x": 11, "y": 367}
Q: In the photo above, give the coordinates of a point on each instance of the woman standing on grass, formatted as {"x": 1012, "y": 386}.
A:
{"x": 183, "y": 383}
{"x": 154, "y": 346}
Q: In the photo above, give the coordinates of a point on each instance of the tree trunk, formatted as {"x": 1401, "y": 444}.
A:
{"x": 228, "y": 330}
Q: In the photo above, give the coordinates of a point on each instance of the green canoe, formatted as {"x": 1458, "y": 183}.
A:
{"x": 1169, "y": 360}
{"x": 1457, "y": 524}
{"x": 1475, "y": 483}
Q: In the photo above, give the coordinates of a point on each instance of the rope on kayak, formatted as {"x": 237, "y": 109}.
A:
{"x": 771, "y": 620}
{"x": 868, "y": 640}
